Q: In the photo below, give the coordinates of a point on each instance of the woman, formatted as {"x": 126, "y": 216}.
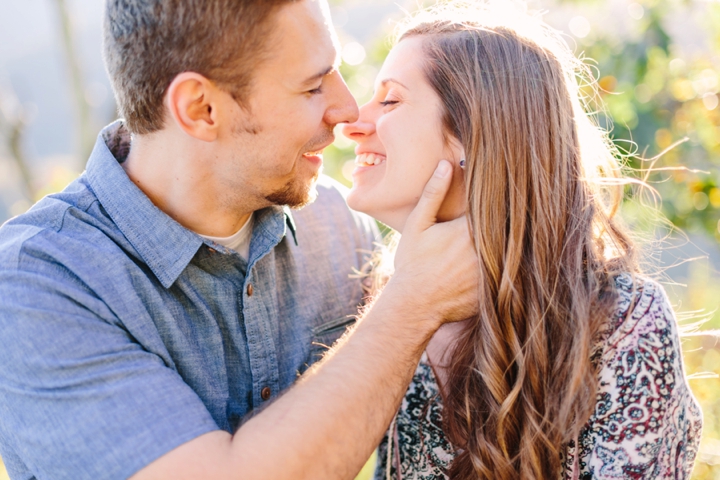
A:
{"x": 573, "y": 369}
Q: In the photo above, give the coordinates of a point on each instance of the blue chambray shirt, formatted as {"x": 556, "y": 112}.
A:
{"x": 124, "y": 335}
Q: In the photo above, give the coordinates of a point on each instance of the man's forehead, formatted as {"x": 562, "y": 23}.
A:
{"x": 304, "y": 44}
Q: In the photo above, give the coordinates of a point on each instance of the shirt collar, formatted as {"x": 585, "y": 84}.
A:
{"x": 164, "y": 245}
{"x": 290, "y": 221}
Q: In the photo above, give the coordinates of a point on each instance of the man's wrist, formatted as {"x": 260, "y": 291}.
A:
{"x": 406, "y": 312}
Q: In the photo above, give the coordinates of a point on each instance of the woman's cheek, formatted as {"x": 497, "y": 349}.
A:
{"x": 380, "y": 129}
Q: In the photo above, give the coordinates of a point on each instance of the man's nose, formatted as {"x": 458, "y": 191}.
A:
{"x": 342, "y": 106}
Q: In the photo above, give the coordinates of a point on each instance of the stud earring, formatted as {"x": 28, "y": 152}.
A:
{"x": 462, "y": 163}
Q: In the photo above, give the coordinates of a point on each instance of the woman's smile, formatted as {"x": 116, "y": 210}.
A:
{"x": 366, "y": 162}
{"x": 400, "y": 142}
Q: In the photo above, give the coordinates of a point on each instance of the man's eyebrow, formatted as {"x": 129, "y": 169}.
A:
{"x": 392, "y": 80}
{"x": 319, "y": 75}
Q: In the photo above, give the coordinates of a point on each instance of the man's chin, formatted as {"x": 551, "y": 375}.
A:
{"x": 295, "y": 194}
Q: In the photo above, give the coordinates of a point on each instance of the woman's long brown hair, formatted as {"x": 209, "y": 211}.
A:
{"x": 521, "y": 382}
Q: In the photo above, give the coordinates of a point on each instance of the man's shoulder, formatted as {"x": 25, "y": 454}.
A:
{"x": 328, "y": 224}
{"x": 331, "y": 194}
{"x": 52, "y": 224}
{"x": 331, "y": 212}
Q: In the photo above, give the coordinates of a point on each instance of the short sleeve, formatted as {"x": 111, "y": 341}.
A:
{"x": 79, "y": 397}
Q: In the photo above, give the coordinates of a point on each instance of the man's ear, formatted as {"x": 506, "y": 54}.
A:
{"x": 192, "y": 102}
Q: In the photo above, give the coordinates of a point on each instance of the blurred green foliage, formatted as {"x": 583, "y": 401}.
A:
{"x": 655, "y": 99}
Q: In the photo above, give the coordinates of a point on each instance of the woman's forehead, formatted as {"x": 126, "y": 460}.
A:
{"x": 403, "y": 65}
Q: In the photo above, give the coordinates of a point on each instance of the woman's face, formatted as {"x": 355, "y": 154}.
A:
{"x": 400, "y": 142}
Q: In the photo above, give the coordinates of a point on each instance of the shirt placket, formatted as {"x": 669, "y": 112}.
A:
{"x": 258, "y": 297}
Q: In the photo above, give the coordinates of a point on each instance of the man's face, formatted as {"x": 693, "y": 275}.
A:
{"x": 297, "y": 98}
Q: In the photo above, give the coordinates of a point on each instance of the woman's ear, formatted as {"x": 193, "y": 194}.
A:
{"x": 192, "y": 103}
{"x": 456, "y": 152}
{"x": 454, "y": 204}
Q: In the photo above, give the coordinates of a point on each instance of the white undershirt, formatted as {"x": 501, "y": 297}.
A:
{"x": 239, "y": 241}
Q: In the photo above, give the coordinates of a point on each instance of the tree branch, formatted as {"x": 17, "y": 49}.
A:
{"x": 12, "y": 130}
{"x": 86, "y": 135}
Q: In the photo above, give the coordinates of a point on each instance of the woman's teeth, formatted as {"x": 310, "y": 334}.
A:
{"x": 369, "y": 159}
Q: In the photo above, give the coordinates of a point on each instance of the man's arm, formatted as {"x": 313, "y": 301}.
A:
{"x": 328, "y": 424}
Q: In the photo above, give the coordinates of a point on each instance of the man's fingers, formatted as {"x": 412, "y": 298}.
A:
{"x": 425, "y": 213}
{"x": 446, "y": 249}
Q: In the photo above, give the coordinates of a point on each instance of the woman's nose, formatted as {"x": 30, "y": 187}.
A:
{"x": 363, "y": 127}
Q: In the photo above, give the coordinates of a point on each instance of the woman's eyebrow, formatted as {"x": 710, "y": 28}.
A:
{"x": 392, "y": 80}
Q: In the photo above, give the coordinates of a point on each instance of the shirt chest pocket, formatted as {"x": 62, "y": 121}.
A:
{"x": 325, "y": 335}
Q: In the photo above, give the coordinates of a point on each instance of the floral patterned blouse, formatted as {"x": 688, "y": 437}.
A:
{"x": 646, "y": 423}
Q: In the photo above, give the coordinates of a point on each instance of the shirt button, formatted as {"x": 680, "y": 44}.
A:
{"x": 250, "y": 290}
{"x": 265, "y": 393}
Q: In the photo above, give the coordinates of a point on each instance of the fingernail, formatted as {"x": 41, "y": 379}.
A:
{"x": 443, "y": 169}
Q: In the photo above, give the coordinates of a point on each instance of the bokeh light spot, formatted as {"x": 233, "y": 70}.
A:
{"x": 608, "y": 83}
{"x": 353, "y": 53}
{"x": 663, "y": 138}
{"x": 339, "y": 16}
{"x": 636, "y": 11}
{"x": 341, "y": 141}
{"x": 643, "y": 94}
{"x": 579, "y": 26}
{"x": 700, "y": 201}
{"x": 677, "y": 66}
{"x": 682, "y": 90}
{"x": 347, "y": 170}
{"x": 714, "y": 197}
{"x": 710, "y": 100}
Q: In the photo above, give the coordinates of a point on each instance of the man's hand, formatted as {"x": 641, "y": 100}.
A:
{"x": 436, "y": 267}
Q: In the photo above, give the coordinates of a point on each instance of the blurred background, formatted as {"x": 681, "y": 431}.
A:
{"x": 657, "y": 62}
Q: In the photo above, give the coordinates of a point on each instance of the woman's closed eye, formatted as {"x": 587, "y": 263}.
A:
{"x": 385, "y": 103}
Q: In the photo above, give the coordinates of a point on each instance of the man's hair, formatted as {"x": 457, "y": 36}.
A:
{"x": 147, "y": 43}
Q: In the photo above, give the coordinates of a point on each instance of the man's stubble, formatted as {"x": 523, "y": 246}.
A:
{"x": 297, "y": 192}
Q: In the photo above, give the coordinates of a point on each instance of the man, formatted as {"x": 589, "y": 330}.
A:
{"x": 153, "y": 304}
